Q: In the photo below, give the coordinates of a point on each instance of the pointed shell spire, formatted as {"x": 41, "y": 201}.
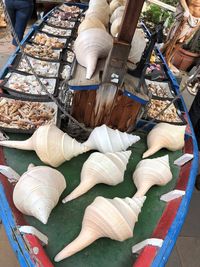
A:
{"x": 113, "y": 218}
{"x": 105, "y": 139}
{"x": 38, "y": 190}
{"x": 165, "y": 135}
{"x": 52, "y": 145}
{"x": 151, "y": 172}
{"x": 91, "y": 45}
{"x": 99, "y": 168}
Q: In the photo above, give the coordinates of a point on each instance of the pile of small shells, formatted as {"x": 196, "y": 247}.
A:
{"x": 158, "y": 90}
{"x": 43, "y": 39}
{"x": 29, "y": 84}
{"x": 60, "y": 23}
{"x": 43, "y": 68}
{"x": 69, "y": 9}
{"x": 43, "y": 52}
{"x": 69, "y": 56}
{"x": 65, "y": 74}
{"x": 64, "y": 15}
{"x": 24, "y": 114}
{"x": 56, "y": 31}
{"x": 169, "y": 115}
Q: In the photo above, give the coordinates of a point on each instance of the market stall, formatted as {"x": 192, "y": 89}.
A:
{"x": 124, "y": 107}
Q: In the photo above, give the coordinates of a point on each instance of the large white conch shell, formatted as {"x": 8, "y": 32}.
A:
{"x": 89, "y": 23}
{"x": 102, "y": 13}
{"x": 91, "y": 45}
{"x": 99, "y": 3}
{"x": 119, "y": 12}
{"x": 114, "y": 4}
{"x": 115, "y": 27}
{"x": 52, "y": 145}
{"x": 165, "y": 135}
{"x": 99, "y": 168}
{"x": 105, "y": 139}
{"x": 138, "y": 46}
{"x": 38, "y": 190}
{"x": 113, "y": 218}
{"x": 151, "y": 172}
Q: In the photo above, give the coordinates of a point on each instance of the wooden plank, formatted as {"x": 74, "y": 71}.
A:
{"x": 161, "y": 4}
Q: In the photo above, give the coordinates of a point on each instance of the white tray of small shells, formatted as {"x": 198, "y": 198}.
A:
{"x": 26, "y": 116}
{"x": 64, "y": 15}
{"x": 43, "y": 52}
{"x": 28, "y": 84}
{"x": 66, "y": 72}
{"x": 68, "y": 56}
{"x": 42, "y": 67}
{"x": 171, "y": 114}
{"x": 70, "y": 9}
{"x": 44, "y": 39}
{"x": 56, "y": 31}
{"x": 159, "y": 89}
{"x": 60, "y": 23}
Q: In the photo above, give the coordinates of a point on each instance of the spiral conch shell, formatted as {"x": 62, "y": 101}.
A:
{"x": 119, "y": 12}
{"x": 91, "y": 45}
{"x": 99, "y": 168}
{"x": 100, "y": 12}
{"x": 113, "y": 218}
{"x": 165, "y": 135}
{"x": 115, "y": 27}
{"x": 105, "y": 139}
{"x": 138, "y": 46}
{"x": 115, "y": 4}
{"x": 38, "y": 190}
{"x": 89, "y": 23}
{"x": 52, "y": 145}
{"x": 151, "y": 172}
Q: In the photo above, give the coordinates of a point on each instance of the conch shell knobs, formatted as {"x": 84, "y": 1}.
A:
{"x": 38, "y": 190}
{"x": 113, "y": 218}
{"x": 165, "y": 135}
{"x": 151, "y": 172}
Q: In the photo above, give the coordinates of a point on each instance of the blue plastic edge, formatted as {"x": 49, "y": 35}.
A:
{"x": 171, "y": 237}
{"x": 85, "y": 87}
{"x": 134, "y": 97}
{"x": 16, "y": 240}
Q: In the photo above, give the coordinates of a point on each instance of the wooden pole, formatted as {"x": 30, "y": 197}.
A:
{"x": 115, "y": 67}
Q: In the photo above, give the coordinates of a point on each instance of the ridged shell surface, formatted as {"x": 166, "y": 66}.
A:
{"x": 119, "y": 12}
{"x": 105, "y": 139}
{"x": 151, "y": 172}
{"x": 115, "y": 27}
{"x": 90, "y": 22}
{"x": 37, "y": 192}
{"x": 99, "y": 168}
{"x": 100, "y": 12}
{"x": 113, "y": 218}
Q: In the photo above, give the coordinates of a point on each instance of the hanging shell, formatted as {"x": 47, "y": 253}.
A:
{"x": 119, "y": 12}
{"x": 99, "y": 168}
{"x": 113, "y": 218}
{"x": 99, "y": 12}
{"x": 114, "y": 4}
{"x": 52, "y": 146}
{"x": 165, "y": 135}
{"x": 138, "y": 46}
{"x": 151, "y": 172}
{"x": 105, "y": 139}
{"x": 91, "y": 45}
{"x": 38, "y": 190}
{"x": 115, "y": 27}
{"x": 89, "y": 23}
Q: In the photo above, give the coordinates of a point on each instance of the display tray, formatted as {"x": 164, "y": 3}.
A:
{"x": 66, "y": 70}
{"x": 22, "y": 116}
{"x": 60, "y": 14}
{"x": 172, "y": 115}
{"x": 61, "y": 24}
{"x": 25, "y": 86}
{"x": 55, "y": 31}
{"x": 68, "y": 55}
{"x": 42, "y": 52}
{"x": 42, "y": 67}
{"x": 49, "y": 40}
{"x": 160, "y": 90}
{"x": 155, "y": 72}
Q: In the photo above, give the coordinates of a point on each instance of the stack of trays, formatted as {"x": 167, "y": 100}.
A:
{"x": 24, "y": 105}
